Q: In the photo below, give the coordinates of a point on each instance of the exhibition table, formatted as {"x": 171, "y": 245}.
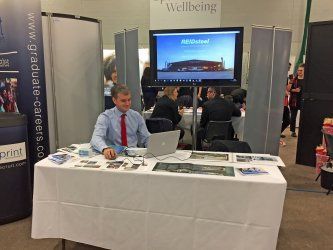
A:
{"x": 187, "y": 120}
{"x": 144, "y": 209}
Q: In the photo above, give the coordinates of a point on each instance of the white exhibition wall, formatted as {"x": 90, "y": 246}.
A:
{"x": 117, "y": 15}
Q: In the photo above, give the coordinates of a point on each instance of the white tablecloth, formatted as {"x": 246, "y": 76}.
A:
{"x": 144, "y": 209}
{"x": 187, "y": 121}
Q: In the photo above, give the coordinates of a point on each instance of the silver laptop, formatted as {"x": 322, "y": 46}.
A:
{"x": 162, "y": 143}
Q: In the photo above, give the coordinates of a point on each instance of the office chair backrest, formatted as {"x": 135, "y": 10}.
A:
{"x": 157, "y": 125}
{"x": 230, "y": 146}
{"x": 218, "y": 130}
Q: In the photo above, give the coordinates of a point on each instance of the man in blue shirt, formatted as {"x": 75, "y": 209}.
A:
{"x": 119, "y": 125}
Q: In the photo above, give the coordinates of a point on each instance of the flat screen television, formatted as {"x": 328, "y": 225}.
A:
{"x": 196, "y": 57}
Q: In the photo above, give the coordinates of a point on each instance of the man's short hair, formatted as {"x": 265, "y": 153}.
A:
{"x": 302, "y": 65}
{"x": 119, "y": 89}
{"x": 217, "y": 91}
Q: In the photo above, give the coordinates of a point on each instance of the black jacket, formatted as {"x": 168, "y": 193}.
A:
{"x": 167, "y": 108}
{"x": 218, "y": 109}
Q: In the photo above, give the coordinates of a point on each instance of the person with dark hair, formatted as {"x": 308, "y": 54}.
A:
{"x": 295, "y": 87}
{"x": 215, "y": 109}
{"x": 166, "y": 107}
{"x": 120, "y": 125}
{"x": 110, "y": 74}
{"x": 149, "y": 93}
{"x": 239, "y": 97}
{"x": 286, "y": 112}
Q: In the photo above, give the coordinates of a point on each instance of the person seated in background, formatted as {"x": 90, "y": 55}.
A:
{"x": 215, "y": 109}
{"x": 149, "y": 93}
{"x": 120, "y": 126}
{"x": 239, "y": 97}
{"x": 167, "y": 107}
{"x": 110, "y": 74}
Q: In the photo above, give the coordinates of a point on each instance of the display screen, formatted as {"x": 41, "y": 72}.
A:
{"x": 197, "y": 56}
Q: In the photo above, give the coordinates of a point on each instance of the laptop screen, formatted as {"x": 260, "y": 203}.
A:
{"x": 163, "y": 143}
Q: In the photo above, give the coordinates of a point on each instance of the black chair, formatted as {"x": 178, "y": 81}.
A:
{"x": 217, "y": 130}
{"x": 230, "y": 146}
{"x": 157, "y": 125}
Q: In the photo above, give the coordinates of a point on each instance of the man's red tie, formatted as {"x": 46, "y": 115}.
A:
{"x": 123, "y": 130}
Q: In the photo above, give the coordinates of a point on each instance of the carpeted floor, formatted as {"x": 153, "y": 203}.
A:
{"x": 306, "y": 223}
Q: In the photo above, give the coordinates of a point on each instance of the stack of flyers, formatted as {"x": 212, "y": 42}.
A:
{"x": 252, "y": 171}
{"x": 59, "y": 158}
{"x": 70, "y": 149}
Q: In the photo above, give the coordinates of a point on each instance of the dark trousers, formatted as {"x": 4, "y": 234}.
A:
{"x": 149, "y": 100}
{"x": 285, "y": 118}
{"x": 293, "y": 115}
{"x": 182, "y": 132}
{"x": 200, "y": 136}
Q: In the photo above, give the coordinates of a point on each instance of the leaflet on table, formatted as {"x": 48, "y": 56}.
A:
{"x": 84, "y": 149}
{"x": 214, "y": 156}
{"x": 252, "y": 171}
{"x": 265, "y": 159}
{"x": 122, "y": 165}
{"x": 116, "y": 164}
{"x": 190, "y": 168}
{"x": 60, "y": 158}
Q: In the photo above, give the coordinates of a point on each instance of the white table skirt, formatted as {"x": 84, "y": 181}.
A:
{"x": 144, "y": 209}
{"x": 187, "y": 121}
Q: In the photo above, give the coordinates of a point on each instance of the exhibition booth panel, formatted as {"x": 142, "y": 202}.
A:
{"x": 74, "y": 80}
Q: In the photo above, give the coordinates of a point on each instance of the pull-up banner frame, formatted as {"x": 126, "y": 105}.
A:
{"x": 22, "y": 78}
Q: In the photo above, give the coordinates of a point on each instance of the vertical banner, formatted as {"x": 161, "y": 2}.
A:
{"x": 22, "y": 79}
{"x": 270, "y": 50}
{"x": 166, "y": 14}
{"x": 126, "y": 44}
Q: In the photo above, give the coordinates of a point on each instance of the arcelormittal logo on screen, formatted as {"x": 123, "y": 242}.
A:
{"x": 12, "y": 152}
{"x": 188, "y": 6}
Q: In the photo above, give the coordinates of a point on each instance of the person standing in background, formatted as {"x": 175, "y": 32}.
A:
{"x": 149, "y": 93}
{"x": 295, "y": 87}
{"x": 286, "y": 112}
{"x": 110, "y": 74}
